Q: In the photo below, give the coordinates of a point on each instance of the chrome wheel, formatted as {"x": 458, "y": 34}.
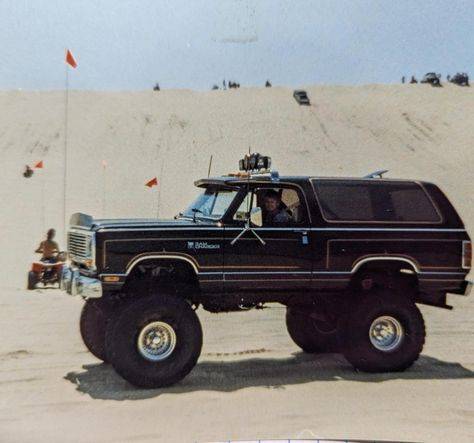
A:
{"x": 157, "y": 340}
{"x": 386, "y": 333}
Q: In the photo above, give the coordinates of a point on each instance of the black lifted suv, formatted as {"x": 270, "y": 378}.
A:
{"x": 348, "y": 257}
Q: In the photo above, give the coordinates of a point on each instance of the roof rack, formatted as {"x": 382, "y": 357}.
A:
{"x": 274, "y": 176}
{"x": 256, "y": 165}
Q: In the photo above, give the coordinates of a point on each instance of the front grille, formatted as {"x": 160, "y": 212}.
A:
{"x": 79, "y": 245}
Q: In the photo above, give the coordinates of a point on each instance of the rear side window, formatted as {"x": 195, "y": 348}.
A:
{"x": 371, "y": 201}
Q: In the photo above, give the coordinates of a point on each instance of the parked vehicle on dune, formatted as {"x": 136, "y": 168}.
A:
{"x": 461, "y": 79}
{"x": 349, "y": 258}
{"x": 432, "y": 78}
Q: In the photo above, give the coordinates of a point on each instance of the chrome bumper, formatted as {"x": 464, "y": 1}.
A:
{"x": 76, "y": 284}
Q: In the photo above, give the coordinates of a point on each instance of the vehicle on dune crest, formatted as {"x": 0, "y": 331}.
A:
{"x": 432, "y": 78}
{"x": 461, "y": 79}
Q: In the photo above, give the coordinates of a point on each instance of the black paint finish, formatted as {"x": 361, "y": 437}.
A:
{"x": 315, "y": 256}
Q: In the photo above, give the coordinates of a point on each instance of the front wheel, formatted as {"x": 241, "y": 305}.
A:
{"x": 32, "y": 280}
{"x": 95, "y": 315}
{"x": 383, "y": 332}
{"x": 154, "y": 341}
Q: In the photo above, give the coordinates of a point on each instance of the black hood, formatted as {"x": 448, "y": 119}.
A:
{"x": 143, "y": 223}
{"x": 87, "y": 222}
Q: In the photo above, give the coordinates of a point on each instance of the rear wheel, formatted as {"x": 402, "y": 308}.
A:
{"x": 154, "y": 341}
{"x": 311, "y": 331}
{"x": 383, "y": 332}
{"x": 93, "y": 323}
{"x": 32, "y": 280}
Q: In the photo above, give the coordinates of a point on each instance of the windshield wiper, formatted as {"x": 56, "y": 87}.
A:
{"x": 195, "y": 211}
{"x": 193, "y": 217}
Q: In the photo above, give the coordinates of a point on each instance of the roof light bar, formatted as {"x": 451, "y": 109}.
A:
{"x": 255, "y": 162}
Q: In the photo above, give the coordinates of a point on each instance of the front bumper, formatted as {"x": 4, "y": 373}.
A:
{"x": 76, "y": 284}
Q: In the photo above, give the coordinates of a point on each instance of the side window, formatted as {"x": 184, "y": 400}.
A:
{"x": 411, "y": 204}
{"x": 345, "y": 201}
{"x": 394, "y": 202}
{"x": 281, "y": 207}
{"x": 247, "y": 204}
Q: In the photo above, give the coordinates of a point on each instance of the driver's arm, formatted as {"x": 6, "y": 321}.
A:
{"x": 282, "y": 218}
{"x": 40, "y": 248}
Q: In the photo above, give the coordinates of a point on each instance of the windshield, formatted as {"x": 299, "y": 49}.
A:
{"x": 213, "y": 203}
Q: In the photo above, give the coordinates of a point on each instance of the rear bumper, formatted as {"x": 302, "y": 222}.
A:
{"x": 76, "y": 284}
{"x": 441, "y": 285}
{"x": 467, "y": 287}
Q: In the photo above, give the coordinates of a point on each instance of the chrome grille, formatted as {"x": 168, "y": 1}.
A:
{"x": 79, "y": 245}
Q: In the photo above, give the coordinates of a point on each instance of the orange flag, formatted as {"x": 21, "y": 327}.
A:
{"x": 39, "y": 165}
{"x": 70, "y": 60}
{"x": 152, "y": 182}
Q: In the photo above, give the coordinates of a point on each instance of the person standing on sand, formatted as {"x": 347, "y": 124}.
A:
{"x": 28, "y": 172}
{"x": 49, "y": 248}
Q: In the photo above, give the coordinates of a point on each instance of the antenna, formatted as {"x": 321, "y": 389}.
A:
{"x": 210, "y": 165}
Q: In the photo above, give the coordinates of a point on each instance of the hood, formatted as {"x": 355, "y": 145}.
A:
{"x": 87, "y": 222}
{"x": 144, "y": 223}
{"x": 84, "y": 221}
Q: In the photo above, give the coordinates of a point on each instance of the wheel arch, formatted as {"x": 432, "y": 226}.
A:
{"x": 392, "y": 272}
{"x": 149, "y": 273}
{"x": 386, "y": 260}
{"x": 159, "y": 258}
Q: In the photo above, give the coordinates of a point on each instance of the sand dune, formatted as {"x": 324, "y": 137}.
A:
{"x": 415, "y": 131}
{"x": 249, "y": 383}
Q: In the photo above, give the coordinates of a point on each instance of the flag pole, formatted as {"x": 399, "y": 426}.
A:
{"x": 159, "y": 191}
{"x": 70, "y": 62}
{"x": 66, "y": 126}
{"x": 104, "y": 186}
{"x": 43, "y": 212}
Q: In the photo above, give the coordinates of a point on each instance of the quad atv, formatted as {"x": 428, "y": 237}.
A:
{"x": 48, "y": 273}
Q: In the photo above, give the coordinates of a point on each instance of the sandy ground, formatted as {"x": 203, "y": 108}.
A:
{"x": 251, "y": 381}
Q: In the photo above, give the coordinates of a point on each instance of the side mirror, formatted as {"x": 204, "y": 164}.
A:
{"x": 256, "y": 217}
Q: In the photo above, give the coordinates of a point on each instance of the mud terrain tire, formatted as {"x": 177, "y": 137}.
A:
{"x": 95, "y": 315}
{"x": 310, "y": 334}
{"x": 383, "y": 332}
{"x": 154, "y": 341}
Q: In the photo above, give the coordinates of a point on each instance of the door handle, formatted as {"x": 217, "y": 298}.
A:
{"x": 304, "y": 236}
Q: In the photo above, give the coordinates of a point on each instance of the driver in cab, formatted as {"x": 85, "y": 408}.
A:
{"x": 273, "y": 213}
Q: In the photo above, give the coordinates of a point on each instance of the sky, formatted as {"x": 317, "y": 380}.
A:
{"x": 194, "y": 44}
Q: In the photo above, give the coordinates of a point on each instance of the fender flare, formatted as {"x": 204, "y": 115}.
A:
{"x": 360, "y": 263}
{"x": 135, "y": 261}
